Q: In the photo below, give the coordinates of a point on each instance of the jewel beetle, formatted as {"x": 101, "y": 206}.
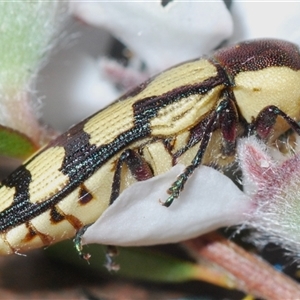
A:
{"x": 192, "y": 113}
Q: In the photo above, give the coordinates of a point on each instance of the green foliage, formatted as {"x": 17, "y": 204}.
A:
{"x": 15, "y": 144}
{"x": 26, "y": 28}
{"x": 140, "y": 263}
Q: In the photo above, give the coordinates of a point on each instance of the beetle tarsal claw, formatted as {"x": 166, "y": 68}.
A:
{"x": 177, "y": 186}
{"x": 169, "y": 201}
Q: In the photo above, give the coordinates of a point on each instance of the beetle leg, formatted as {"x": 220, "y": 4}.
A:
{"x": 141, "y": 171}
{"x": 137, "y": 166}
{"x": 110, "y": 253}
{"x": 78, "y": 244}
{"x": 178, "y": 185}
{"x": 267, "y": 118}
{"x": 227, "y": 116}
{"x": 197, "y": 133}
{"x": 228, "y": 120}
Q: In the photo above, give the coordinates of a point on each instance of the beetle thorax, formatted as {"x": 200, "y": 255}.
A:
{"x": 279, "y": 86}
{"x": 263, "y": 72}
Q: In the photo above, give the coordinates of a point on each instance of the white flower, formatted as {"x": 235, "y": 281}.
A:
{"x": 266, "y": 19}
{"x": 161, "y": 35}
{"x": 209, "y": 201}
{"x": 164, "y": 35}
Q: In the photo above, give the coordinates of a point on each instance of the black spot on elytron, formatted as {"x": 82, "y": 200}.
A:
{"x": 55, "y": 216}
{"x": 75, "y": 222}
{"x": 31, "y": 232}
{"x": 84, "y": 195}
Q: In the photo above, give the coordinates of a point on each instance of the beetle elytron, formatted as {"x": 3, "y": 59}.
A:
{"x": 192, "y": 114}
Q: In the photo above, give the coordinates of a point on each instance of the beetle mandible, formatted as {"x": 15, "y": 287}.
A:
{"x": 192, "y": 113}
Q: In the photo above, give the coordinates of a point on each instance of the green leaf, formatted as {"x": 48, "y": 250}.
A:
{"x": 15, "y": 144}
{"x": 141, "y": 264}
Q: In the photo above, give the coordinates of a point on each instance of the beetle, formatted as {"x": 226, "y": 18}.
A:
{"x": 192, "y": 113}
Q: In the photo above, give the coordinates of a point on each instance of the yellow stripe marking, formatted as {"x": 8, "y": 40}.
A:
{"x": 7, "y": 197}
{"x": 186, "y": 74}
{"x": 45, "y": 168}
{"x": 105, "y": 127}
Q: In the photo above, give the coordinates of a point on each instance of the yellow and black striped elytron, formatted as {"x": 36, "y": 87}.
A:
{"x": 192, "y": 114}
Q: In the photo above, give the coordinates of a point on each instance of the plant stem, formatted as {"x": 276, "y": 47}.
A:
{"x": 253, "y": 275}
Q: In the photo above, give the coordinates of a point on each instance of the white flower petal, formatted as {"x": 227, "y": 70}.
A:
{"x": 210, "y": 200}
{"x": 161, "y": 36}
{"x": 266, "y": 20}
{"x": 79, "y": 88}
{"x": 92, "y": 88}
